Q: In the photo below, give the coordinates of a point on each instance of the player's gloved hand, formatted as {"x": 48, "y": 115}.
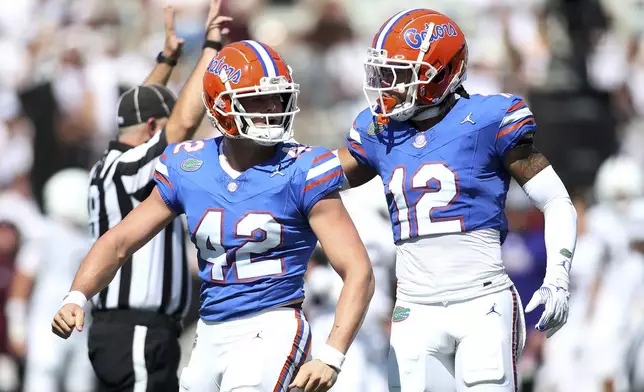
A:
{"x": 314, "y": 376}
{"x": 555, "y": 300}
{"x": 68, "y": 317}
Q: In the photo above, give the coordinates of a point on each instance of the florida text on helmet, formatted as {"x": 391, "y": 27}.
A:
{"x": 244, "y": 70}
{"x": 416, "y": 60}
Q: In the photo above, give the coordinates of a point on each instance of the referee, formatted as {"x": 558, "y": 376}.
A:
{"x": 133, "y": 340}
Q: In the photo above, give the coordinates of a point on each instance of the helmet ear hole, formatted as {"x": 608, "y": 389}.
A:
{"x": 440, "y": 77}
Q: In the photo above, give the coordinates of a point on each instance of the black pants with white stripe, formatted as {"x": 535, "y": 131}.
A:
{"x": 135, "y": 350}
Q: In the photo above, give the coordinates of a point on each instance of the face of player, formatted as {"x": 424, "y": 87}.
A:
{"x": 390, "y": 78}
{"x": 395, "y": 77}
{"x": 268, "y": 104}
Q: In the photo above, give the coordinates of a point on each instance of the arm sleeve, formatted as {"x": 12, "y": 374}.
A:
{"x": 321, "y": 175}
{"x": 166, "y": 182}
{"x": 517, "y": 122}
{"x": 549, "y": 195}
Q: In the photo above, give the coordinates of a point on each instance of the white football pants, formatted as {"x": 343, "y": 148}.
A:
{"x": 471, "y": 345}
{"x": 258, "y": 353}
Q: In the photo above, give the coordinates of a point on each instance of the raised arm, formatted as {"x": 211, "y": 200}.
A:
{"x": 107, "y": 255}
{"x": 348, "y": 257}
{"x": 189, "y": 109}
{"x": 171, "y": 52}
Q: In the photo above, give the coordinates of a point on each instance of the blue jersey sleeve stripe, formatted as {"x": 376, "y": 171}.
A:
{"x": 356, "y": 148}
{"x": 312, "y": 184}
{"x": 528, "y": 122}
{"x": 163, "y": 179}
{"x": 516, "y": 116}
{"x": 355, "y": 135}
{"x": 162, "y": 168}
{"x": 322, "y": 157}
{"x": 316, "y": 171}
{"x": 516, "y": 106}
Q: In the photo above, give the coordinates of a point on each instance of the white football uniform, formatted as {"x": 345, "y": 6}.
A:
{"x": 443, "y": 348}
{"x": 457, "y": 322}
{"x": 467, "y": 261}
{"x": 246, "y": 354}
{"x": 50, "y": 359}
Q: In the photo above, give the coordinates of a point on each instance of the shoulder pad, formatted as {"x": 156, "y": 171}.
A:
{"x": 295, "y": 150}
{"x": 499, "y": 105}
{"x": 311, "y": 155}
{"x": 177, "y": 152}
{"x": 504, "y": 100}
{"x": 365, "y": 125}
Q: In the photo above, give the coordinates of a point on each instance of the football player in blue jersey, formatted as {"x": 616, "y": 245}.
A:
{"x": 446, "y": 160}
{"x": 256, "y": 205}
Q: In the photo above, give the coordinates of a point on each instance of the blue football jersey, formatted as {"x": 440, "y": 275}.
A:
{"x": 251, "y": 232}
{"x": 450, "y": 178}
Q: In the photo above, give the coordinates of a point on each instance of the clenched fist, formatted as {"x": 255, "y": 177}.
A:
{"x": 315, "y": 376}
{"x": 70, "y": 316}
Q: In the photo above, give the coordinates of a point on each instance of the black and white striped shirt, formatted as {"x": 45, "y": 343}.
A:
{"x": 157, "y": 276}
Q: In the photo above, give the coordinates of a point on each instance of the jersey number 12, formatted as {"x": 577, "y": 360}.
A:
{"x": 438, "y": 187}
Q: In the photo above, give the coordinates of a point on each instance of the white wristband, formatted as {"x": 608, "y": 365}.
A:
{"x": 75, "y": 297}
{"x": 331, "y": 356}
{"x": 16, "y": 314}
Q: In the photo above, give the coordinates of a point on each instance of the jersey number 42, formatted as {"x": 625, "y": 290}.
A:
{"x": 259, "y": 232}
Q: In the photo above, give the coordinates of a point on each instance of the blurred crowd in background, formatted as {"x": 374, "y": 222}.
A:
{"x": 578, "y": 63}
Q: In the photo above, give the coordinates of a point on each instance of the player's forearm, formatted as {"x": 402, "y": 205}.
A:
{"x": 189, "y": 109}
{"x": 160, "y": 74}
{"x": 549, "y": 194}
{"x": 100, "y": 266}
{"x": 355, "y": 174}
{"x": 351, "y": 308}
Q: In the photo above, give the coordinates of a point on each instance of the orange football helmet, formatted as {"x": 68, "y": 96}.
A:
{"x": 417, "y": 58}
{"x": 250, "y": 69}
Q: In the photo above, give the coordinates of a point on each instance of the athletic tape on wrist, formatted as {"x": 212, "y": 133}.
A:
{"x": 331, "y": 356}
{"x": 75, "y": 297}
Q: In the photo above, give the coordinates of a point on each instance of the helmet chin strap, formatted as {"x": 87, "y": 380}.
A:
{"x": 427, "y": 112}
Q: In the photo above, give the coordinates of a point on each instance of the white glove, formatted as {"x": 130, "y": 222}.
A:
{"x": 554, "y": 316}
